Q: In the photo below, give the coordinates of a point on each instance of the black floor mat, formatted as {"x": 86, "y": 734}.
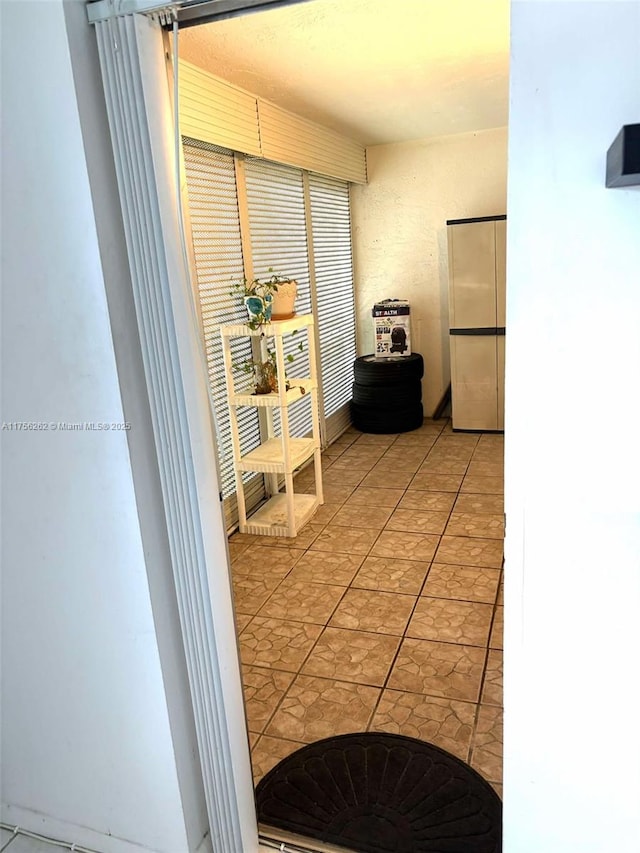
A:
{"x": 382, "y": 793}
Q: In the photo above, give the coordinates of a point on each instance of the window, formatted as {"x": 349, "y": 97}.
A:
{"x": 248, "y": 216}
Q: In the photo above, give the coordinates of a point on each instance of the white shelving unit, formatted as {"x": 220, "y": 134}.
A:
{"x": 278, "y": 456}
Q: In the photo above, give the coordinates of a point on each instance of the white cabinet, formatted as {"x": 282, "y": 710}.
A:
{"x": 501, "y": 273}
{"x": 477, "y": 291}
{"x": 474, "y": 382}
{"x": 279, "y": 454}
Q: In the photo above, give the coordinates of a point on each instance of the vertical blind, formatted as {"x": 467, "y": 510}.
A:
{"x": 299, "y": 225}
{"x": 217, "y": 250}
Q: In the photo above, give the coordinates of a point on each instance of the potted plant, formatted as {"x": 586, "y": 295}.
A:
{"x": 265, "y": 373}
{"x": 284, "y": 298}
{"x": 270, "y": 299}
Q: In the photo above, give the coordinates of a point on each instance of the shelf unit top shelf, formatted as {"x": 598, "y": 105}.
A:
{"x": 275, "y": 328}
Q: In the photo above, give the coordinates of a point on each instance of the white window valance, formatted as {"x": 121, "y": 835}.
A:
{"x": 219, "y": 113}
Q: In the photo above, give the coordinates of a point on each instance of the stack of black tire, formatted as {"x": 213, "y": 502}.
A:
{"x": 387, "y": 393}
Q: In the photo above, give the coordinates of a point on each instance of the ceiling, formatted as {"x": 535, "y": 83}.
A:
{"x": 377, "y": 71}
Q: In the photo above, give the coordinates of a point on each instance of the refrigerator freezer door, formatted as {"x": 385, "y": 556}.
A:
{"x": 472, "y": 275}
{"x": 474, "y": 380}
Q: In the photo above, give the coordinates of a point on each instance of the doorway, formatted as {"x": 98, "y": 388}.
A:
{"x": 298, "y": 621}
{"x": 220, "y": 626}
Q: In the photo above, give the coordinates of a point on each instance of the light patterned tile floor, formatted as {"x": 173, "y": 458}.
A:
{"x": 385, "y": 613}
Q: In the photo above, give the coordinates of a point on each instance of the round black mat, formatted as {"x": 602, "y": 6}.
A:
{"x": 382, "y": 793}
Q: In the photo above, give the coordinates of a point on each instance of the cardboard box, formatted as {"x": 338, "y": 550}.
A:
{"x": 391, "y": 330}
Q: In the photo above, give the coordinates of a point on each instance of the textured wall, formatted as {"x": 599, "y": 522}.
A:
{"x": 399, "y": 232}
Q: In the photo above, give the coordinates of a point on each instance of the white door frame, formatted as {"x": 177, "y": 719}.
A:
{"x": 132, "y": 60}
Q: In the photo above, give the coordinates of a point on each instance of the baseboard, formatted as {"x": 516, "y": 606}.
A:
{"x": 70, "y": 833}
{"x": 479, "y": 431}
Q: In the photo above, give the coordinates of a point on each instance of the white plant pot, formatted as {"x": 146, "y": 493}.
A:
{"x": 284, "y": 300}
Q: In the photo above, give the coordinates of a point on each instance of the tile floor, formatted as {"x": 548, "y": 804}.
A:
{"x": 385, "y": 613}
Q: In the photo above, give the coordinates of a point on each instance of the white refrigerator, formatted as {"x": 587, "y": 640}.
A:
{"x": 477, "y": 321}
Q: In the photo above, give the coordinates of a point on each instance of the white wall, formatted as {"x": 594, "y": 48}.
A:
{"x": 87, "y": 753}
{"x": 572, "y": 739}
{"x": 136, "y": 405}
{"x": 400, "y": 239}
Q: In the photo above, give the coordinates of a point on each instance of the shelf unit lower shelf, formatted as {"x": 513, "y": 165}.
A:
{"x": 272, "y": 518}
{"x": 296, "y": 392}
{"x": 269, "y": 457}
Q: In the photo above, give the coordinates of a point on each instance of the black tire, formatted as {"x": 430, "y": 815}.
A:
{"x": 368, "y": 419}
{"x": 369, "y": 370}
{"x": 385, "y": 397}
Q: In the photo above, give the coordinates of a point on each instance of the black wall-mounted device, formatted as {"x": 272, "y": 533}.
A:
{"x": 623, "y": 158}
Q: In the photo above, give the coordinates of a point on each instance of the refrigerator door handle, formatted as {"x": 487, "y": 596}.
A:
{"x": 480, "y": 330}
